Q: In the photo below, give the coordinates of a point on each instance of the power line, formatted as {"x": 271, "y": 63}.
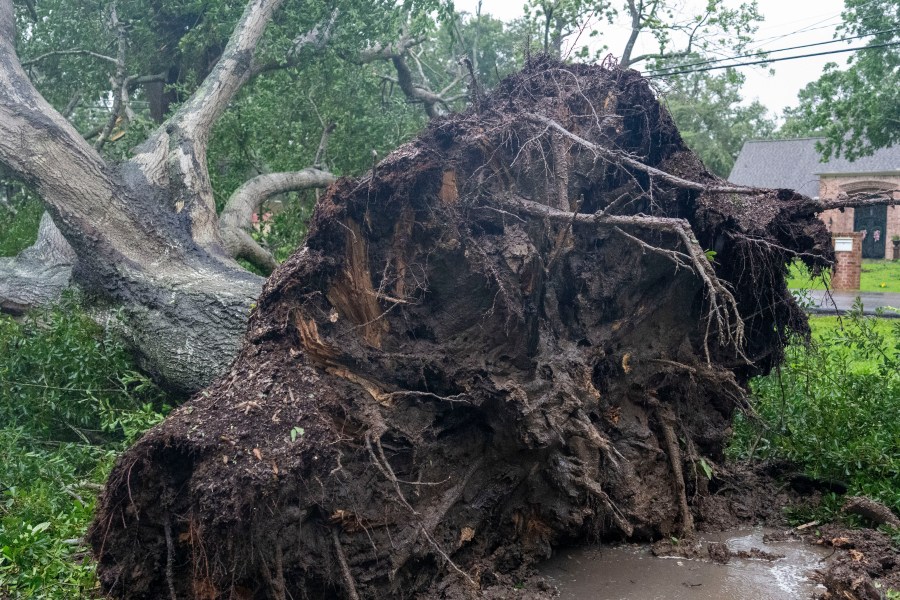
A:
{"x": 812, "y": 27}
{"x": 773, "y": 60}
{"x": 664, "y": 71}
{"x": 804, "y": 29}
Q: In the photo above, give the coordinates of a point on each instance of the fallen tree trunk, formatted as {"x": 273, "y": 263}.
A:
{"x": 526, "y": 327}
{"x": 143, "y": 235}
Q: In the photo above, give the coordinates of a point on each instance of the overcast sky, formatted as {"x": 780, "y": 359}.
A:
{"x": 787, "y": 23}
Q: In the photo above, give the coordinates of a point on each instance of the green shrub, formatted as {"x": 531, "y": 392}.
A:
{"x": 70, "y": 401}
{"x": 19, "y": 229}
{"x": 832, "y": 408}
{"x": 63, "y": 377}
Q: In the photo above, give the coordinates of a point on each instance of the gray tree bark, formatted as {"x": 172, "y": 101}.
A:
{"x": 39, "y": 274}
{"x": 235, "y": 220}
{"x": 143, "y": 234}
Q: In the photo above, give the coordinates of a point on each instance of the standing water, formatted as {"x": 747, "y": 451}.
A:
{"x": 631, "y": 572}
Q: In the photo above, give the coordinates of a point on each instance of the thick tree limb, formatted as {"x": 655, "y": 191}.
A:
{"x": 196, "y": 117}
{"x": 175, "y": 156}
{"x": 315, "y": 39}
{"x": 381, "y": 51}
{"x": 414, "y": 92}
{"x": 41, "y": 146}
{"x": 857, "y": 200}
{"x": 636, "y": 24}
{"x": 247, "y": 199}
{"x": 236, "y": 218}
{"x": 136, "y": 228}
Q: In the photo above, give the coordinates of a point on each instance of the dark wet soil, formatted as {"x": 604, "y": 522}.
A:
{"x": 865, "y": 565}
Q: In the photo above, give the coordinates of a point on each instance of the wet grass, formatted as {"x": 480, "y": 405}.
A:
{"x": 876, "y": 276}
{"x": 70, "y": 402}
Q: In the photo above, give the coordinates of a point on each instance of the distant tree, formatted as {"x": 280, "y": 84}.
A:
{"x": 676, "y": 33}
{"x": 707, "y": 107}
{"x": 712, "y": 118}
{"x": 857, "y": 108}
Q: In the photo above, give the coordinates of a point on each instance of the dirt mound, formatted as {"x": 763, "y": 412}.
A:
{"x": 506, "y": 336}
{"x": 866, "y": 563}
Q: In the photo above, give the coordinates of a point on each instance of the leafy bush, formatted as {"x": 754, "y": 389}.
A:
{"x": 63, "y": 377}
{"x": 832, "y": 408}
{"x": 70, "y": 401}
{"x": 19, "y": 229}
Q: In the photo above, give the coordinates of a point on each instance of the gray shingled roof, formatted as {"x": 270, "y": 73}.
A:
{"x": 795, "y": 164}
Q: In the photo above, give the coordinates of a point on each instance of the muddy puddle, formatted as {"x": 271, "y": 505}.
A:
{"x": 631, "y": 572}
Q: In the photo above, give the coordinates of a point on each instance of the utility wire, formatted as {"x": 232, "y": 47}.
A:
{"x": 773, "y": 60}
{"x": 812, "y": 27}
{"x": 664, "y": 71}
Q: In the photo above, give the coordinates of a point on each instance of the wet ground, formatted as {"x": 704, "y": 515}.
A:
{"x": 631, "y": 572}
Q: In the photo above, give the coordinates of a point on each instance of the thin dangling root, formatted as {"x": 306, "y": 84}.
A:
{"x": 667, "y": 424}
{"x": 345, "y": 568}
{"x": 170, "y": 558}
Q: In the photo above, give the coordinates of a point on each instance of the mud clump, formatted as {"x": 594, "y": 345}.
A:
{"x": 864, "y": 565}
{"x": 529, "y": 326}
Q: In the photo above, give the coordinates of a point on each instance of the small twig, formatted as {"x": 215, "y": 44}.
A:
{"x": 67, "y": 490}
{"x": 77, "y": 52}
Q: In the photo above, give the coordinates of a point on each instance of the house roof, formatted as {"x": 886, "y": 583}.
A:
{"x": 796, "y": 164}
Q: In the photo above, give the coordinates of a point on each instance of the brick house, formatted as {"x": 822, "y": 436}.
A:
{"x": 796, "y": 164}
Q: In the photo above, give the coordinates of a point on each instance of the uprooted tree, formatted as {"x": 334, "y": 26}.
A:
{"x": 528, "y": 326}
{"x": 143, "y": 234}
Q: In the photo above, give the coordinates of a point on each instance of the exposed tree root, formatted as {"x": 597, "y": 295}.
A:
{"x": 170, "y": 558}
{"x": 345, "y": 568}
{"x": 667, "y": 423}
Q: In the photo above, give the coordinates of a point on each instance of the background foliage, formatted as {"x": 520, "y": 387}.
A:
{"x": 70, "y": 401}
{"x": 856, "y": 106}
{"x": 831, "y": 408}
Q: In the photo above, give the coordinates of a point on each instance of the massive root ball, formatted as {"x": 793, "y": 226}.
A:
{"x": 528, "y": 326}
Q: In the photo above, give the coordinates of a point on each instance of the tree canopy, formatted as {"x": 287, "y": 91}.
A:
{"x": 856, "y": 107}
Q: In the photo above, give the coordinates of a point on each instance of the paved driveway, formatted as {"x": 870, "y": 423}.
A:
{"x": 840, "y": 302}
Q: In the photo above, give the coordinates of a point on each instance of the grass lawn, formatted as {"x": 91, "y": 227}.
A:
{"x": 877, "y": 276}
{"x": 822, "y": 327}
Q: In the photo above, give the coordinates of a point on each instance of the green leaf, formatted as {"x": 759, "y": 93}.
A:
{"x": 40, "y": 527}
